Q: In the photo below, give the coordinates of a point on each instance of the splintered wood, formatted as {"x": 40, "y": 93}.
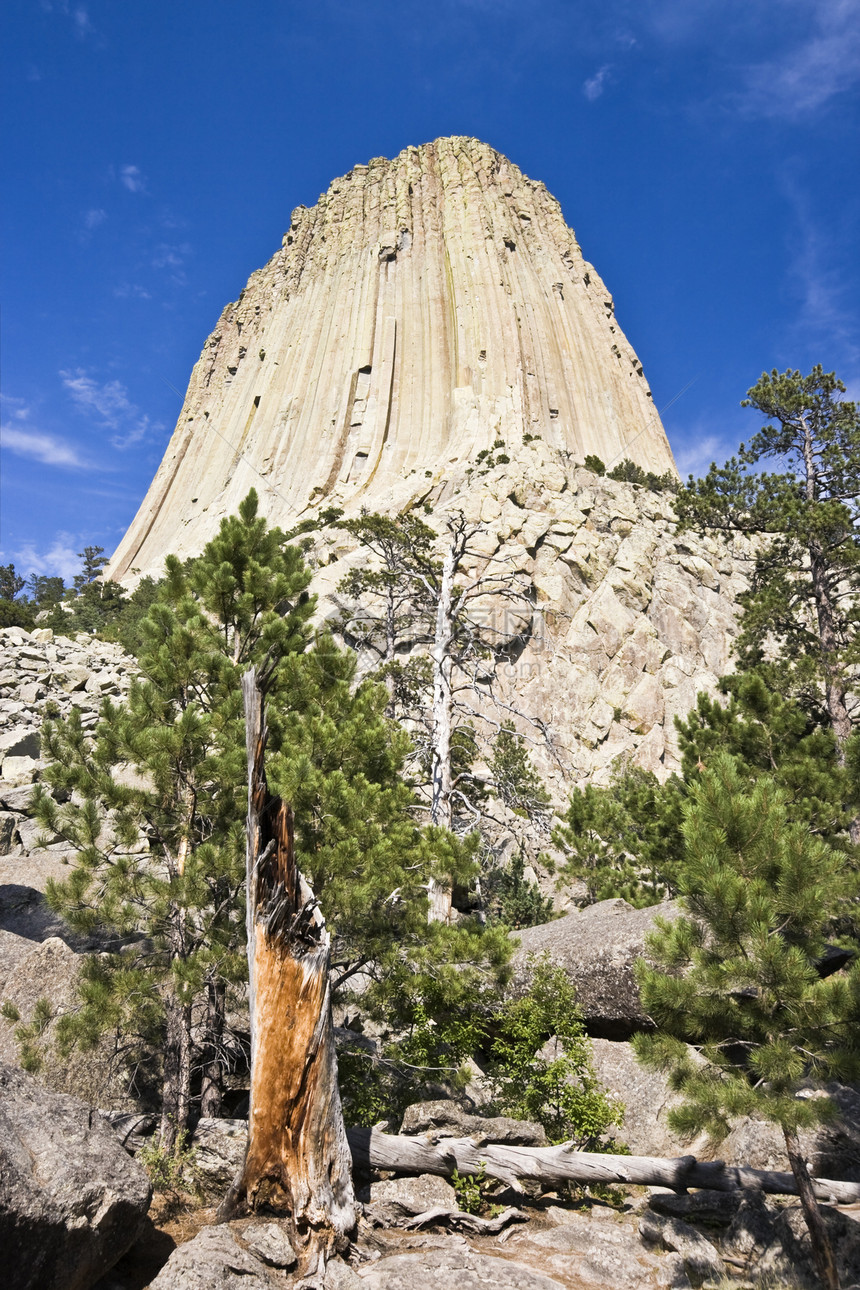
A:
{"x": 298, "y": 1159}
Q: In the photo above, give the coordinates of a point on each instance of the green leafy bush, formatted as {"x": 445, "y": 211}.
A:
{"x": 559, "y": 1091}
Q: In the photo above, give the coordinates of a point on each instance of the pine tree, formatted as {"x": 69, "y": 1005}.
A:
{"x": 160, "y": 845}
{"x": 741, "y": 975}
{"x": 94, "y": 561}
{"x": 804, "y": 601}
{"x": 769, "y": 733}
{"x": 160, "y": 848}
{"x": 403, "y": 548}
{"x": 10, "y": 582}
{"x": 624, "y": 839}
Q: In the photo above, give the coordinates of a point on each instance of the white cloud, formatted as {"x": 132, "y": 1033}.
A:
{"x": 61, "y": 558}
{"x": 81, "y": 19}
{"x": 110, "y": 401}
{"x": 93, "y": 218}
{"x": 594, "y": 86}
{"x": 131, "y": 290}
{"x": 79, "y": 14}
{"x": 694, "y": 457}
{"x": 827, "y": 317}
{"x": 812, "y": 69}
{"x": 131, "y": 177}
{"x": 46, "y": 448}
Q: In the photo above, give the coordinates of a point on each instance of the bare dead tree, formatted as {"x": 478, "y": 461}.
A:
{"x": 442, "y": 611}
{"x": 298, "y": 1160}
{"x": 372, "y": 1149}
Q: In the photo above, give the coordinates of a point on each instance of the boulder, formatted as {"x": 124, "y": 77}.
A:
{"x": 19, "y": 771}
{"x": 411, "y": 1195}
{"x": 789, "y": 1256}
{"x": 702, "y": 1261}
{"x": 9, "y": 837}
{"x": 603, "y": 1248}
{"x": 445, "y": 1119}
{"x": 20, "y": 741}
{"x": 833, "y": 1149}
{"x": 71, "y": 1199}
{"x": 772, "y": 1238}
{"x": 598, "y": 947}
{"x": 50, "y": 971}
{"x": 271, "y": 1243}
{"x": 214, "y": 1260}
{"x": 219, "y": 1152}
{"x": 453, "y": 1267}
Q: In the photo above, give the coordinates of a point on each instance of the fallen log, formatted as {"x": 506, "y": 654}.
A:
{"x": 297, "y": 1160}
{"x": 550, "y": 1166}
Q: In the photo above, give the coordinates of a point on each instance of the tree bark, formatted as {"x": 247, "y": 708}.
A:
{"x": 440, "y": 743}
{"x": 176, "y": 1090}
{"x": 213, "y": 1074}
{"x": 298, "y": 1159}
{"x": 553, "y": 1165}
{"x": 822, "y": 1250}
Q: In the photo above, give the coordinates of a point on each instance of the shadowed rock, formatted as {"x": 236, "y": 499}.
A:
{"x": 71, "y": 1199}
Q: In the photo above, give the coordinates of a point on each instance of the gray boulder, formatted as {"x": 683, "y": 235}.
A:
{"x": 50, "y": 970}
{"x": 772, "y": 1238}
{"x": 598, "y": 947}
{"x": 832, "y": 1149}
{"x": 701, "y": 1259}
{"x": 409, "y": 1195}
{"x": 604, "y": 1247}
{"x": 71, "y": 1199}
{"x": 219, "y": 1152}
{"x": 455, "y": 1267}
{"x": 445, "y": 1119}
{"x": 214, "y": 1260}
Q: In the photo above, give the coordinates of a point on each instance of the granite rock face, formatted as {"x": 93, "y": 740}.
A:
{"x": 71, "y": 1199}
{"x": 425, "y": 308}
{"x": 429, "y": 338}
{"x": 623, "y": 622}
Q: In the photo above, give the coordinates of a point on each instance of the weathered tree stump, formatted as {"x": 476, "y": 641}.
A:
{"x": 298, "y": 1159}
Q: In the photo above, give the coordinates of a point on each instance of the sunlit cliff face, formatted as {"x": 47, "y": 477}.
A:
{"x": 426, "y": 308}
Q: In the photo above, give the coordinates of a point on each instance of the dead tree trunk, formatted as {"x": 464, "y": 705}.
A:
{"x": 553, "y": 1165}
{"x": 298, "y": 1159}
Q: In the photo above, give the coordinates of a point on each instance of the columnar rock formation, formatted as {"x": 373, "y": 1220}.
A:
{"x": 424, "y": 308}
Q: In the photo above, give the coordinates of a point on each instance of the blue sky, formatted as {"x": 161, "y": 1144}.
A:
{"x": 705, "y": 152}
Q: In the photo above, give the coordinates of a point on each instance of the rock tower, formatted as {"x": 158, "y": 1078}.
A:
{"x": 425, "y": 308}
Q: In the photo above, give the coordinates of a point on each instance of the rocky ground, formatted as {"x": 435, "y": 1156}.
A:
{"x": 69, "y": 1191}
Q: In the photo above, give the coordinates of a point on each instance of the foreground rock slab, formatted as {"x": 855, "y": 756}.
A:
{"x": 457, "y": 1268}
{"x": 71, "y": 1199}
{"x": 214, "y": 1260}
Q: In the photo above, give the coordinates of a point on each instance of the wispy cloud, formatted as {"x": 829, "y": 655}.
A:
{"x": 827, "y": 317}
{"x": 49, "y": 449}
{"x": 812, "y": 68}
{"x": 110, "y": 401}
{"x": 81, "y": 19}
{"x": 60, "y": 559}
{"x": 695, "y": 454}
{"x": 82, "y": 24}
{"x": 131, "y": 291}
{"x": 132, "y": 178}
{"x": 595, "y": 85}
{"x": 170, "y": 256}
{"x": 93, "y": 218}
